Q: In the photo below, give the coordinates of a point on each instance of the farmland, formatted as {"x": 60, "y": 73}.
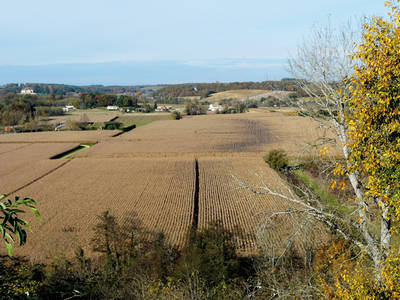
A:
{"x": 89, "y": 136}
{"x": 169, "y": 175}
{"x": 245, "y": 94}
{"x": 95, "y": 115}
{"x": 141, "y": 120}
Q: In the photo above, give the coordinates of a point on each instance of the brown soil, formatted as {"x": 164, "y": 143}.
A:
{"x": 149, "y": 173}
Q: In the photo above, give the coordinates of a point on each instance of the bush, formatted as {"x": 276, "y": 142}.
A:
{"x": 129, "y": 128}
{"x": 176, "y": 115}
{"x": 277, "y": 160}
{"x": 112, "y": 125}
{"x": 211, "y": 253}
{"x": 195, "y": 108}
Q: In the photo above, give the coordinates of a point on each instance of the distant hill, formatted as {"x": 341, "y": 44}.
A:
{"x": 206, "y": 89}
{"x": 247, "y": 95}
{"x": 62, "y": 89}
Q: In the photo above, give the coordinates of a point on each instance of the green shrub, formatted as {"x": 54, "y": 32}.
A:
{"x": 176, "y": 115}
{"x": 112, "y": 125}
{"x": 129, "y": 128}
{"x": 277, "y": 160}
{"x": 211, "y": 253}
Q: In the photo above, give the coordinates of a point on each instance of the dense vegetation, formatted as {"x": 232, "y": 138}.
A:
{"x": 206, "y": 89}
{"x": 28, "y": 110}
{"x": 62, "y": 89}
{"x": 129, "y": 265}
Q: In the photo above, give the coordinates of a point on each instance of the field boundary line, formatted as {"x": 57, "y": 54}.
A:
{"x": 25, "y": 145}
{"x": 196, "y": 196}
{"x": 40, "y": 177}
{"x": 52, "y": 142}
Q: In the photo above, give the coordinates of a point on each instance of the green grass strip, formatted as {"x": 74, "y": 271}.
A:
{"x": 322, "y": 192}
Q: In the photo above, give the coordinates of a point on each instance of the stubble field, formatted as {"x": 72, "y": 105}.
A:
{"x": 168, "y": 175}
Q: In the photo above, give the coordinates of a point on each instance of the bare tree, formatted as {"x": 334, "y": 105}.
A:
{"x": 322, "y": 66}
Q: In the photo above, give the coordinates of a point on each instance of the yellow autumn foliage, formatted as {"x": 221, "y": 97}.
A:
{"x": 374, "y": 117}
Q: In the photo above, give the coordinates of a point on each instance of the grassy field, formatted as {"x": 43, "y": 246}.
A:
{"x": 235, "y": 94}
{"x": 96, "y": 115}
{"x": 246, "y": 95}
{"x": 141, "y": 119}
{"x": 156, "y": 173}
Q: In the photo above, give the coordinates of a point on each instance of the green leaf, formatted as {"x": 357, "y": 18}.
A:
{"x": 21, "y": 234}
{"x": 36, "y": 212}
{"x": 21, "y": 221}
{"x": 10, "y": 248}
{"x": 8, "y": 236}
{"x": 29, "y": 201}
{"x": 16, "y": 211}
{"x": 3, "y": 196}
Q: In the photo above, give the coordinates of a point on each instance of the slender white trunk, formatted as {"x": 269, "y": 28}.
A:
{"x": 374, "y": 251}
{"x": 386, "y": 235}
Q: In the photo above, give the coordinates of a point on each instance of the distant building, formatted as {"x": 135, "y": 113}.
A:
{"x": 164, "y": 108}
{"x": 67, "y": 108}
{"x": 215, "y": 107}
{"x": 27, "y": 91}
{"x": 113, "y": 107}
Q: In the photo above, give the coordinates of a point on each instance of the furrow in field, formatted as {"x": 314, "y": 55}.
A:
{"x": 153, "y": 191}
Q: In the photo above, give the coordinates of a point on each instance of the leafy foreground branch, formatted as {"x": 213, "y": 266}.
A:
{"x": 12, "y": 226}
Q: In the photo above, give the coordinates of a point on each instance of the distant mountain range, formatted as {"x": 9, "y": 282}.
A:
{"x": 148, "y": 72}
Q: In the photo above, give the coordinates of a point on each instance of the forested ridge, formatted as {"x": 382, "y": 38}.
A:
{"x": 205, "y": 89}
{"x": 175, "y": 90}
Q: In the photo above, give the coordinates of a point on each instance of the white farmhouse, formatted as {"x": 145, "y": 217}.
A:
{"x": 215, "y": 107}
{"x": 27, "y": 91}
{"x": 113, "y": 107}
{"x": 67, "y": 108}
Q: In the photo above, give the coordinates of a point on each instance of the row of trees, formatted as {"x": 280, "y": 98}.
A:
{"x": 62, "y": 89}
{"x": 131, "y": 263}
{"x": 91, "y": 100}
{"x": 16, "y": 113}
{"x": 22, "y": 109}
{"x": 206, "y": 89}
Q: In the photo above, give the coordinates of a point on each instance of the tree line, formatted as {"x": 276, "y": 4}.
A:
{"x": 206, "y": 89}
{"x": 63, "y": 89}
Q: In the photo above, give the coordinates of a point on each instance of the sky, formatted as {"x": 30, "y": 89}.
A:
{"x": 159, "y": 41}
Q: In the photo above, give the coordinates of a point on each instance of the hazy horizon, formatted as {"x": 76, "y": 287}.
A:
{"x": 147, "y": 72}
{"x": 155, "y": 42}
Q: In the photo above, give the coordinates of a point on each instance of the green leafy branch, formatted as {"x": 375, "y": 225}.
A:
{"x": 12, "y": 226}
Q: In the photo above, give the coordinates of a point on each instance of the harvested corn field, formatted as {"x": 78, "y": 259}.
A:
{"x": 221, "y": 197}
{"x": 27, "y": 162}
{"x": 190, "y": 135}
{"x": 5, "y": 148}
{"x": 169, "y": 175}
{"x": 251, "y": 132}
{"x": 159, "y": 192}
{"x": 166, "y": 195}
{"x": 89, "y": 136}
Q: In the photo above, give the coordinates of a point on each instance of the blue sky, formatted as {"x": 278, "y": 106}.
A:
{"x": 217, "y": 35}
